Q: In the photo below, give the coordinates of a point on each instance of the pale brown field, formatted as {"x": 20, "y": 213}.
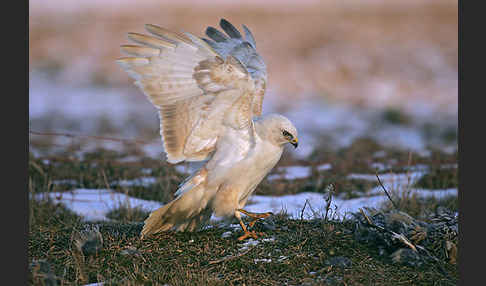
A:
{"x": 372, "y": 53}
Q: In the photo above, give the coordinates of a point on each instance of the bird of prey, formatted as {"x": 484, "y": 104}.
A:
{"x": 209, "y": 94}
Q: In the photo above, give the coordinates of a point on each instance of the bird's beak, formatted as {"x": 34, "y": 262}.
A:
{"x": 294, "y": 142}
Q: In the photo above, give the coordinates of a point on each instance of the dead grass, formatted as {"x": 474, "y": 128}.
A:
{"x": 106, "y": 169}
{"x": 422, "y": 207}
{"x": 127, "y": 214}
{"x": 297, "y": 253}
{"x": 292, "y": 252}
{"x": 439, "y": 178}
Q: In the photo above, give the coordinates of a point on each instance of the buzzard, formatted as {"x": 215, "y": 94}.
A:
{"x": 209, "y": 94}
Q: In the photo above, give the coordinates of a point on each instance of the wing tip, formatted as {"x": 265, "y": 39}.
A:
{"x": 230, "y": 29}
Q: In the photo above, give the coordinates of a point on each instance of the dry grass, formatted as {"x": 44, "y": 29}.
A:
{"x": 105, "y": 168}
{"x": 298, "y": 252}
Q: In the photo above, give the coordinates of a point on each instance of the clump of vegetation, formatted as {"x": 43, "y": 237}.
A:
{"x": 449, "y": 135}
{"x": 410, "y": 241}
{"x": 422, "y": 207}
{"x": 395, "y": 116}
{"x": 89, "y": 240}
{"x": 439, "y": 178}
{"x": 128, "y": 214}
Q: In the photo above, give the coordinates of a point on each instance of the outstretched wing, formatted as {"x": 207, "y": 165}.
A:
{"x": 244, "y": 49}
{"x": 199, "y": 89}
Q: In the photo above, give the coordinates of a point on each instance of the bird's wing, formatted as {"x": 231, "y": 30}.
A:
{"x": 198, "y": 87}
{"x": 244, "y": 49}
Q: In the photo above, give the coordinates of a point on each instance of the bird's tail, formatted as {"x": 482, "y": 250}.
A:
{"x": 187, "y": 212}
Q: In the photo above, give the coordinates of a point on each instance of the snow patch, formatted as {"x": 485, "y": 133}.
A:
{"x": 249, "y": 243}
{"x": 143, "y": 182}
{"x": 291, "y": 173}
{"x": 324, "y": 167}
{"x": 94, "y": 204}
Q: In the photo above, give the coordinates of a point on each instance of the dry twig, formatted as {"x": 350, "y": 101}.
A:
{"x": 302, "y": 211}
{"x": 329, "y": 189}
{"x": 386, "y": 192}
{"x": 230, "y": 257}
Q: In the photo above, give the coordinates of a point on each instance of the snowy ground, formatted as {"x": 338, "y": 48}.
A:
{"x": 94, "y": 204}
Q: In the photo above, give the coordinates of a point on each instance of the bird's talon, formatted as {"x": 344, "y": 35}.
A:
{"x": 247, "y": 234}
{"x": 255, "y": 217}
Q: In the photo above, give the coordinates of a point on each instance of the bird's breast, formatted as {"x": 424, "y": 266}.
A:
{"x": 241, "y": 163}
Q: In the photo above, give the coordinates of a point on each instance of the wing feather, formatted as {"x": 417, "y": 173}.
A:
{"x": 215, "y": 35}
{"x": 245, "y": 51}
{"x": 230, "y": 29}
{"x": 150, "y": 41}
{"x": 137, "y": 51}
{"x": 197, "y": 89}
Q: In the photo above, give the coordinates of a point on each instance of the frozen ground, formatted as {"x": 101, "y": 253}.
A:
{"x": 94, "y": 204}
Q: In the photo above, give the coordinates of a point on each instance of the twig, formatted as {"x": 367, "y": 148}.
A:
{"x": 302, "y": 211}
{"x": 105, "y": 179}
{"x": 136, "y": 141}
{"x": 408, "y": 167}
{"x": 37, "y": 167}
{"x": 386, "y": 192}
{"x": 231, "y": 257}
{"x": 330, "y": 189}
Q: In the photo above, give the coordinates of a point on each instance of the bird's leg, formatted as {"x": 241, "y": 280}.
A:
{"x": 255, "y": 216}
{"x": 247, "y": 233}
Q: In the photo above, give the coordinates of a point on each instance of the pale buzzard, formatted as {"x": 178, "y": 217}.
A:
{"x": 209, "y": 95}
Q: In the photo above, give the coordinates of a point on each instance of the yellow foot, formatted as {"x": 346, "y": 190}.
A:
{"x": 255, "y": 217}
{"x": 251, "y": 234}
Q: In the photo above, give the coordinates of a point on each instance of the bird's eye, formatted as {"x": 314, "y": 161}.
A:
{"x": 287, "y": 134}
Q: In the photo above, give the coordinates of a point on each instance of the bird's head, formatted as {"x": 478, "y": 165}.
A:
{"x": 280, "y": 130}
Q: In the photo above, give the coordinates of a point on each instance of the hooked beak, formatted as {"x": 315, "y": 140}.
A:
{"x": 294, "y": 142}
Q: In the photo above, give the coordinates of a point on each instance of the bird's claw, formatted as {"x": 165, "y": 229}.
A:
{"x": 251, "y": 234}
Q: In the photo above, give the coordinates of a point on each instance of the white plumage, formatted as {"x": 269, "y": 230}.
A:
{"x": 209, "y": 95}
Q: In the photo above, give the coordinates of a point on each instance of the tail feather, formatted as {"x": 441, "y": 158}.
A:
{"x": 155, "y": 222}
{"x": 187, "y": 212}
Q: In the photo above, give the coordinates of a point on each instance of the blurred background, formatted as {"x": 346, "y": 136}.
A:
{"x": 340, "y": 70}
